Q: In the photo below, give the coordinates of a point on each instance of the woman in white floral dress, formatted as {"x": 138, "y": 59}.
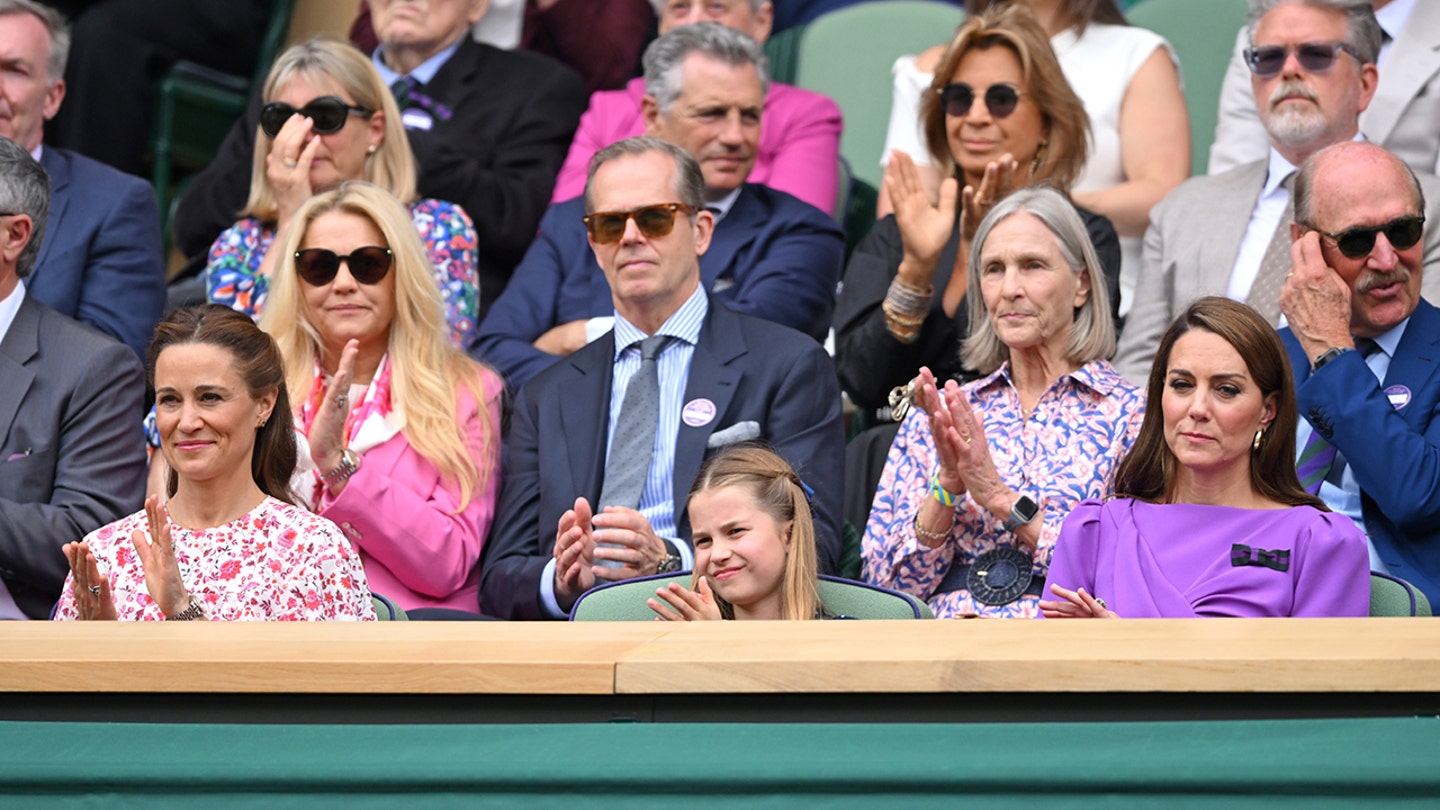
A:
{"x": 228, "y": 544}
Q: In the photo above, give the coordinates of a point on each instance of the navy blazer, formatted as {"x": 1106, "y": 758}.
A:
{"x": 72, "y": 454}
{"x": 751, "y": 369}
{"x": 100, "y": 258}
{"x": 779, "y": 256}
{"x": 1394, "y": 452}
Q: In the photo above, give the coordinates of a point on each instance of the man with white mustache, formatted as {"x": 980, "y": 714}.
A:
{"x": 1312, "y": 66}
{"x": 1362, "y": 348}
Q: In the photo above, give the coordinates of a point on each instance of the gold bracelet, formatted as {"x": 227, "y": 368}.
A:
{"x": 926, "y": 534}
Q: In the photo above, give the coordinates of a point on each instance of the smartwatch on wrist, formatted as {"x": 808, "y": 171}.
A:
{"x": 1024, "y": 511}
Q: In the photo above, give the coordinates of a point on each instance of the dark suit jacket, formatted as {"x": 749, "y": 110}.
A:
{"x": 514, "y": 116}
{"x": 100, "y": 257}
{"x": 753, "y": 370}
{"x": 1393, "y": 452}
{"x": 779, "y": 255}
{"x": 72, "y": 454}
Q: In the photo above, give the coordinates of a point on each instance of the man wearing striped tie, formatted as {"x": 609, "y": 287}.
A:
{"x": 1365, "y": 349}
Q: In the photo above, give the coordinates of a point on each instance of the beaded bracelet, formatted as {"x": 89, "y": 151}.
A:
{"x": 926, "y": 534}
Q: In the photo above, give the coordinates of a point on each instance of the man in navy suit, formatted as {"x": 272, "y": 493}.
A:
{"x": 721, "y": 377}
{"x": 101, "y": 262}
{"x": 1365, "y": 349}
{"x": 771, "y": 255}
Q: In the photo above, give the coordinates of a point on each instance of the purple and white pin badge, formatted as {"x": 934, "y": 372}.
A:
{"x": 698, "y": 412}
{"x": 1398, "y": 395}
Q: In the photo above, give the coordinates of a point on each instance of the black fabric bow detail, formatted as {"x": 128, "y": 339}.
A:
{"x": 1277, "y": 560}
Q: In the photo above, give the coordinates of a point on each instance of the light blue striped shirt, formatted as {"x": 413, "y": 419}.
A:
{"x": 657, "y": 501}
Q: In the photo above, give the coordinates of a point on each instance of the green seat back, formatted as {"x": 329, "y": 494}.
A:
{"x": 1392, "y": 596}
{"x": 625, "y": 601}
{"x": 1203, "y": 34}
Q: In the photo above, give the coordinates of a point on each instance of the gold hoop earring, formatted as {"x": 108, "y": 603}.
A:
{"x": 1259, "y": 439}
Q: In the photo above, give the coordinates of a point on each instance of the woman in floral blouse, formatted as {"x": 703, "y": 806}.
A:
{"x": 981, "y": 475}
{"x": 329, "y": 118}
{"x": 228, "y": 544}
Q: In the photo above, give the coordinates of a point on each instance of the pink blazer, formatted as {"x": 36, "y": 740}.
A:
{"x": 398, "y": 513}
{"x": 799, "y": 141}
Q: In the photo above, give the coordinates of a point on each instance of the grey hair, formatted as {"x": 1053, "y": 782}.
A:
{"x": 24, "y": 189}
{"x": 689, "y": 181}
{"x": 1305, "y": 179}
{"x": 55, "y": 26}
{"x": 659, "y": 6}
{"x": 1092, "y": 337}
{"x": 1362, "y": 29}
{"x": 665, "y": 56}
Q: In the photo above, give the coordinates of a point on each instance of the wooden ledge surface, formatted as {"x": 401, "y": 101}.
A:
{"x": 1209, "y": 655}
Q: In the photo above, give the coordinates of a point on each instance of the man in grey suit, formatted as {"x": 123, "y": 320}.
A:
{"x": 72, "y": 453}
{"x": 1312, "y": 68}
{"x": 1404, "y": 116}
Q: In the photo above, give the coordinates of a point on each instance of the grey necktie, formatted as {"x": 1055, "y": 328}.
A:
{"x": 1264, "y": 295}
{"x": 633, "y": 444}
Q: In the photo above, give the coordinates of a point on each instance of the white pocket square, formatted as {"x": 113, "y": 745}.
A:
{"x": 738, "y": 432}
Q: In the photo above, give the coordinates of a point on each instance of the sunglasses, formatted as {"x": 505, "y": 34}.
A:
{"x": 654, "y": 221}
{"x": 1266, "y": 61}
{"x": 1356, "y": 243}
{"x": 318, "y": 266}
{"x": 1000, "y": 99}
{"x": 326, "y": 113}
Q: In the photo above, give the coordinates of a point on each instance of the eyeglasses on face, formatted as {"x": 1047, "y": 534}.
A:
{"x": 368, "y": 265}
{"x": 1000, "y": 99}
{"x": 326, "y": 113}
{"x": 1267, "y": 61}
{"x": 654, "y": 221}
{"x": 1356, "y": 243}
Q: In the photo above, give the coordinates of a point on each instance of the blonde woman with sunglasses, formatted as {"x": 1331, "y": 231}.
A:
{"x": 401, "y": 428}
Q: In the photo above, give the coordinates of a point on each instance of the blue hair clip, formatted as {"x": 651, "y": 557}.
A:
{"x": 809, "y": 492}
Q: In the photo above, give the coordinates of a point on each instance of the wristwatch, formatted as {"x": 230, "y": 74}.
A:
{"x": 1328, "y": 355}
{"x": 1021, "y": 513}
{"x": 195, "y": 611}
{"x": 671, "y": 563}
{"x": 348, "y": 466}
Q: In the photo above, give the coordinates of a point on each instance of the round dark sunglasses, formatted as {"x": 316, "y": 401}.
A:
{"x": 1000, "y": 99}
{"x": 1266, "y": 61}
{"x": 654, "y": 221}
{"x": 1356, "y": 243}
{"x": 326, "y": 113}
{"x": 368, "y": 265}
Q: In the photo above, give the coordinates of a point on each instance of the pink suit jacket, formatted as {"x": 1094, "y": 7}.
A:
{"x": 401, "y": 516}
{"x": 799, "y": 141}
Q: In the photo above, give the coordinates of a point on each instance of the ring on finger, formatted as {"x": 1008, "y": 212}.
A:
{"x": 290, "y": 164}
{"x": 1100, "y": 602}
{"x": 342, "y": 400}
{"x": 95, "y": 590}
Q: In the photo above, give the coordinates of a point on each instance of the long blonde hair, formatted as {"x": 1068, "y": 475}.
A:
{"x": 426, "y": 372}
{"x": 324, "y": 58}
{"x": 777, "y": 489}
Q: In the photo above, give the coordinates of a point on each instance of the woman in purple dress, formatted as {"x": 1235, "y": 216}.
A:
{"x": 1209, "y": 518}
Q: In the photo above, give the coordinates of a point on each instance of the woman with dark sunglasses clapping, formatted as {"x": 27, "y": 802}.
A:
{"x": 328, "y": 117}
{"x": 999, "y": 116}
{"x": 402, "y": 429}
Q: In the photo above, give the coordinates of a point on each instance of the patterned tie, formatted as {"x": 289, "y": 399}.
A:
{"x": 408, "y": 95}
{"x": 633, "y": 444}
{"x": 1318, "y": 457}
{"x": 1264, "y": 295}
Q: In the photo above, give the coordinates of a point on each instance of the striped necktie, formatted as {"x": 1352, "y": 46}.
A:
{"x": 1318, "y": 457}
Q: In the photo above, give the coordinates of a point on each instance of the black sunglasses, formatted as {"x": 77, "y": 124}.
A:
{"x": 368, "y": 265}
{"x": 1266, "y": 61}
{"x": 654, "y": 221}
{"x": 1000, "y": 99}
{"x": 1356, "y": 243}
{"x": 326, "y": 113}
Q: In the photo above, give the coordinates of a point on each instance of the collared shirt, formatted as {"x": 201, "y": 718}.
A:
{"x": 1264, "y": 219}
{"x": 722, "y": 206}
{"x": 657, "y": 500}
{"x": 1061, "y": 453}
{"x": 1340, "y": 491}
{"x": 1392, "y": 20}
{"x": 423, "y": 73}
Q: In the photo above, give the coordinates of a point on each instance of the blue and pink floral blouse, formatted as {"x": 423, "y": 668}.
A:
{"x": 232, "y": 273}
{"x": 1062, "y": 453}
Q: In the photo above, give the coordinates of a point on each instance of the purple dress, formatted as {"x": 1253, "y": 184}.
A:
{"x": 1175, "y": 561}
